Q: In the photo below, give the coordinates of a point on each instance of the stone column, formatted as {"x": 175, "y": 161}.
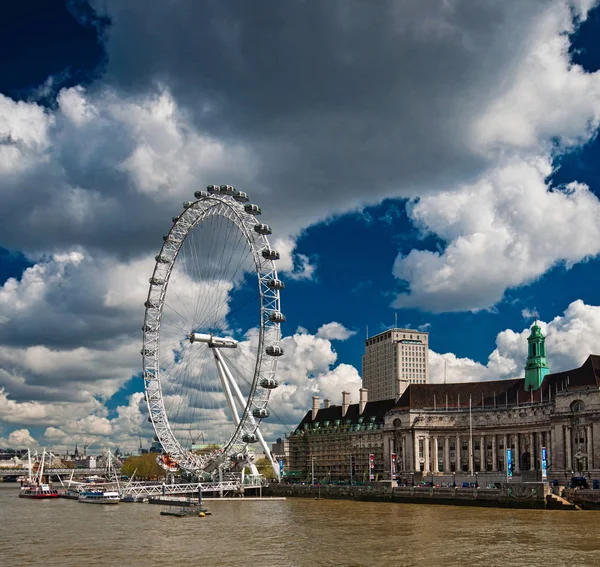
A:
{"x": 531, "y": 452}
{"x": 517, "y": 456}
{"x": 416, "y": 452}
{"x": 549, "y": 445}
{"x": 458, "y": 455}
{"x": 494, "y": 455}
{"x": 482, "y": 454}
{"x": 446, "y": 454}
{"x": 427, "y": 467}
{"x": 436, "y": 454}
{"x": 590, "y": 453}
{"x": 568, "y": 462}
{"x": 404, "y": 459}
{"x": 505, "y": 448}
{"x": 540, "y": 444}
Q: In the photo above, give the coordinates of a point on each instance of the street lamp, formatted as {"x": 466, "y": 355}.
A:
{"x": 476, "y": 482}
{"x": 312, "y": 470}
{"x": 454, "y": 479}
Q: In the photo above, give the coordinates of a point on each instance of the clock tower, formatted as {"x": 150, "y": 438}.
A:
{"x": 537, "y": 365}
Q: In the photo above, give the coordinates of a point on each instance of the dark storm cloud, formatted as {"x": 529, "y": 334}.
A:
{"x": 344, "y": 101}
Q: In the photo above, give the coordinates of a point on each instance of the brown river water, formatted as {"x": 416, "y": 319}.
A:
{"x": 295, "y": 532}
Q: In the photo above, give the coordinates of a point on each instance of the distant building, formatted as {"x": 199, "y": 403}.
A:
{"x": 462, "y": 429}
{"x": 281, "y": 450}
{"x": 393, "y": 360}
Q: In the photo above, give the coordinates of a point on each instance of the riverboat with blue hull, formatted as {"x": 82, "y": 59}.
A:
{"x": 99, "y": 497}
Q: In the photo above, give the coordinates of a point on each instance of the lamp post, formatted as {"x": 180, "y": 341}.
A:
{"x": 312, "y": 467}
{"x": 476, "y": 480}
{"x": 454, "y": 479}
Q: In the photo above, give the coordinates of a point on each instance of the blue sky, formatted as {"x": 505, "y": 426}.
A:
{"x": 431, "y": 163}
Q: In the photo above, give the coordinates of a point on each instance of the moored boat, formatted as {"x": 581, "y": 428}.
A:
{"x": 99, "y": 497}
{"x": 183, "y": 511}
{"x": 38, "y": 491}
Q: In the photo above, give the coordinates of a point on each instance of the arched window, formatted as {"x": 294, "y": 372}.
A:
{"x": 577, "y": 406}
{"x": 533, "y": 349}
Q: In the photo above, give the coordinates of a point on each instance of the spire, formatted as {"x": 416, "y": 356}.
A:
{"x": 537, "y": 365}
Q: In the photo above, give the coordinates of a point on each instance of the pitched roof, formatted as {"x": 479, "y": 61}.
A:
{"x": 587, "y": 375}
{"x": 498, "y": 392}
{"x": 493, "y": 393}
{"x": 372, "y": 409}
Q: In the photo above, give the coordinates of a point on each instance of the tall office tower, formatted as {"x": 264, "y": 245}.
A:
{"x": 393, "y": 360}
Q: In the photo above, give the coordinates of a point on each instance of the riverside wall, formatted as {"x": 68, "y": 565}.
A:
{"x": 517, "y": 495}
{"x": 586, "y": 499}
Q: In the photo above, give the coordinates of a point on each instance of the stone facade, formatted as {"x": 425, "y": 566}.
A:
{"x": 460, "y": 430}
{"x": 568, "y": 426}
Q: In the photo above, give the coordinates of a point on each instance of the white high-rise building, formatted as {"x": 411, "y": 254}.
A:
{"x": 393, "y": 360}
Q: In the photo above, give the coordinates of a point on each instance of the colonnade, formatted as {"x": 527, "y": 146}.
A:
{"x": 432, "y": 452}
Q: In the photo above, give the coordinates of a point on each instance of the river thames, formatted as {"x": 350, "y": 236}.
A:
{"x": 295, "y": 532}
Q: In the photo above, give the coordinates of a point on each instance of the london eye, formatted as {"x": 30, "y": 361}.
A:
{"x": 211, "y": 334}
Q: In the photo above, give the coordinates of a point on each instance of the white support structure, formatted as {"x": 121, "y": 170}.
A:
{"x": 242, "y": 402}
{"x": 223, "y": 375}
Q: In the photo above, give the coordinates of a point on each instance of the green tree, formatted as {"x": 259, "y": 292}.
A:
{"x": 144, "y": 466}
{"x": 264, "y": 467}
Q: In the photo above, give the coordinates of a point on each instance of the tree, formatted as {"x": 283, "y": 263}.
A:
{"x": 264, "y": 467}
{"x": 145, "y": 465}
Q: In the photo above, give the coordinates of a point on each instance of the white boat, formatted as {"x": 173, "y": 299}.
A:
{"x": 98, "y": 496}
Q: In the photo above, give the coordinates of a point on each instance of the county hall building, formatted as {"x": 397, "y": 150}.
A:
{"x": 458, "y": 429}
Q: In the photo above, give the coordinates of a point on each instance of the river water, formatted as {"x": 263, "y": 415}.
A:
{"x": 295, "y": 532}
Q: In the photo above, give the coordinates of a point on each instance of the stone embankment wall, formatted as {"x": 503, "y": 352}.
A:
{"x": 586, "y": 499}
{"x": 517, "y": 495}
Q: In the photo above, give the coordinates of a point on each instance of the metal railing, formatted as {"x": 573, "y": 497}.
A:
{"x": 54, "y": 471}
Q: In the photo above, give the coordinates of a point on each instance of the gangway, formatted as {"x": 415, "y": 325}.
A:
{"x": 140, "y": 489}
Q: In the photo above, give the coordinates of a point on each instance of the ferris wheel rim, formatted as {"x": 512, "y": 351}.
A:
{"x": 265, "y": 269}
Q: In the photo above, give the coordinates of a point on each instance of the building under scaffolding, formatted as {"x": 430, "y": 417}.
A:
{"x": 335, "y": 443}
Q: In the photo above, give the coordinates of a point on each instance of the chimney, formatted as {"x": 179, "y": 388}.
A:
{"x": 326, "y": 403}
{"x": 362, "y": 395}
{"x": 345, "y": 403}
{"x": 315, "y": 406}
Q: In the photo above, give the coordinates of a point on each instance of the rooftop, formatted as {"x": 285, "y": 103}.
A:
{"x": 498, "y": 392}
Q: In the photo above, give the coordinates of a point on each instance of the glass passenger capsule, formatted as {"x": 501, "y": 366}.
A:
{"x": 261, "y": 413}
{"x": 263, "y": 229}
{"x": 274, "y": 350}
{"x": 269, "y": 383}
{"x": 270, "y": 254}
{"x": 276, "y": 317}
{"x": 275, "y": 284}
{"x": 252, "y": 209}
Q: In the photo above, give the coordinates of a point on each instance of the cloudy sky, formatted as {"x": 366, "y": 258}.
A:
{"x": 437, "y": 160}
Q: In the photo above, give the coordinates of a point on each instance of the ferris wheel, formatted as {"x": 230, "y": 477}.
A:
{"x": 211, "y": 334}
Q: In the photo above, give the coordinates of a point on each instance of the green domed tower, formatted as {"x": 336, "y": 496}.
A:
{"x": 537, "y": 366}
